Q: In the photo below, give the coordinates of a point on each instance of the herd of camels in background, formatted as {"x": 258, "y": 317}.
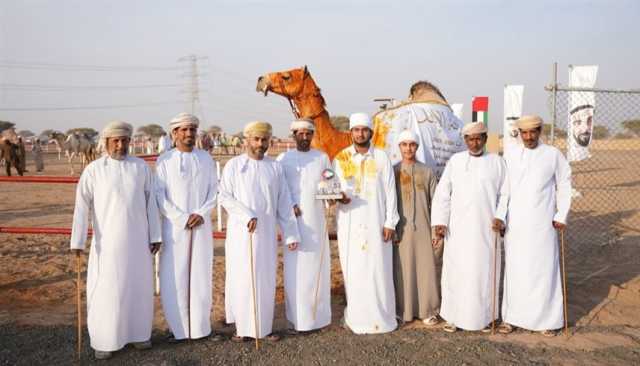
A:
{"x": 296, "y": 85}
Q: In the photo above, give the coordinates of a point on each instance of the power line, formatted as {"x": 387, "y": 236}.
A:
{"x": 41, "y": 87}
{"x": 116, "y": 106}
{"x": 67, "y": 67}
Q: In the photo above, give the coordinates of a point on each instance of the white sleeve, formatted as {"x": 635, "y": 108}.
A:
{"x": 153, "y": 213}
{"x": 391, "y": 204}
{"x": 563, "y": 186}
{"x": 503, "y": 193}
{"x": 286, "y": 218}
{"x": 212, "y": 189}
{"x": 166, "y": 207}
{"x": 227, "y": 199}
{"x": 82, "y": 210}
{"x": 441, "y": 207}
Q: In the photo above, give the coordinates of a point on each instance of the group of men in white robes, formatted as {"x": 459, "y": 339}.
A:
{"x": 526, "y": 196}
{"x": 392, "y": 224}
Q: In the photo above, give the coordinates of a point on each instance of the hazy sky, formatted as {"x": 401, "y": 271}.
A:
{"x": 355, "y": 50}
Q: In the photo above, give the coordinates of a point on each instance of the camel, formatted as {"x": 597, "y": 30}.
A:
{"x": 76, "y": 144}
{"x": 306, "y": 101}
{"x": 10, "y": 155}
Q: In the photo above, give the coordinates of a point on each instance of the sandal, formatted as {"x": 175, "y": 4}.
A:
{"x": 449, "y": 328}
{"x": 292, "y": 332}
{"x": 548, "y": 333}
{"x": 431, "y": 321}
{"x": 173, "y": 340}
{"x": 216, "y": 337}
{"x": 239, "y": 339}
{"x": 272, "y": 338}
{"x": 505, "y": 328}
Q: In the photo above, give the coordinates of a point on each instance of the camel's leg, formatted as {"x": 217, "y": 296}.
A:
{"x": 7, "y": 167}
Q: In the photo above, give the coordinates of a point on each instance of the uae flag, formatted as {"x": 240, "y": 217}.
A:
{"x": 480, "y": 110}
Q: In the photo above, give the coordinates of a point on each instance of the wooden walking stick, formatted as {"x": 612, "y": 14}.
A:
{"x": 253, "y": 290}
{"x": 564, "y": 285}
{"x": 493, "y": 285}
{"x": 79, "y": 301}
{"x": 189, "y": 281}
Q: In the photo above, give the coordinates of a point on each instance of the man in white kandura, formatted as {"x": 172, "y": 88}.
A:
{"x": 116, "y": 191}
{"x": 367, "y": 217}
{"x": 253, "y": 191}
{"x": 540, "y": 198}
{"x": 186, "y": 188}
{"x": 468, "y": 212}
{"x": 307, "y": 271}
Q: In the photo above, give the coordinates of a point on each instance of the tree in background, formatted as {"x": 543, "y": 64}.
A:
{"x": 5, "y": 125}
{"x": 153, "y": 130}
{"x": 25, "y": 134}
{"x": 340, "y": 122}
{"x": 632, "y": 125}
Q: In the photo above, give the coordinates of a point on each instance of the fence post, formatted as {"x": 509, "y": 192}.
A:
{"x": 554, "y": 90}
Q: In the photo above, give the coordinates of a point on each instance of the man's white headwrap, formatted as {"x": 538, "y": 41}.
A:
{"x": 408, "y": 136}
{"x": 257, "y": 128}
{"x": 117, "y": 129}
{"x": 183, "y": 119}
{"x": 302, "y": 124}
{"x": 359, "y": 120}
{"x": 529, "y": 122}
{"x": 474, "y": 128}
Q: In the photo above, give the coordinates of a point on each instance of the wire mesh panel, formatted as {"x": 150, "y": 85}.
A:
{"x": 606, "y": 182}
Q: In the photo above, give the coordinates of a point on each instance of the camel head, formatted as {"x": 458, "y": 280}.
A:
{"x": 296, "y": 85}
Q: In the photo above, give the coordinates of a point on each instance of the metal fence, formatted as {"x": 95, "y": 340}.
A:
{"x": 606, "y": 197}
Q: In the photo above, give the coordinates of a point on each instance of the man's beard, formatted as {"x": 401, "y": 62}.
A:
{"x": 303, "y": 145}
{"x": 583, "y": 139}
{"x": 258, "y": 151}
{"x": 118, "y": 155}
{"x": 365, "y": 143}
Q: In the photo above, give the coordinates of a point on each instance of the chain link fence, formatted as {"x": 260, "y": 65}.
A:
{"x": 606, "y": 196}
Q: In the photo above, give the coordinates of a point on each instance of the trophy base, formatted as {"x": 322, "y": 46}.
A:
{"x": 328, "y": 196}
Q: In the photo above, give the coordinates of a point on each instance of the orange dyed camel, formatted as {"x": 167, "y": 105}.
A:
{"x": 305, "y": 99}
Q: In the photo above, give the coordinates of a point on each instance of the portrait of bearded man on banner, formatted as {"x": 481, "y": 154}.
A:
{"x": 581, "y": 119}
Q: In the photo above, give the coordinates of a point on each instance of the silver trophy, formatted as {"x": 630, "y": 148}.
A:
{"x": 328, "y": 187}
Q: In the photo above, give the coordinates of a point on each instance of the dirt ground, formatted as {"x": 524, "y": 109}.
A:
{"x": 37, "y": 297}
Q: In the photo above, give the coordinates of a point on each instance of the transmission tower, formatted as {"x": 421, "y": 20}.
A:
{"x": 192, "y": 86}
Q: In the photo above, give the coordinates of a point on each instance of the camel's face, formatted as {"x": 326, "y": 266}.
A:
{"x": 286, "y": 83}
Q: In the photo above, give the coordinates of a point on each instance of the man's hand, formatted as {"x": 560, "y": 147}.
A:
{"x": 293, "y": 246}
{"x": 387, "y": 234}
{"x": 154, "y": 247}
{"x": 297, "y": 211}
{"x": 344, "y": 200}
{"x": 559, "y": 226}
{"x": 436, "y": 242}
{"x": 194, "y": 221}
{"x": 441, "y": 231}
{"x": 252, "y": 225}
{"x": 498, "y": 226}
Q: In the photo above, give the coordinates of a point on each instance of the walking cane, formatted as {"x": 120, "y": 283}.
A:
{"x": 253, "y": 290}
{"x": 564, "y": 285}
{"x": 493, "y": 286}
{"x": 79, "y": 300}
{"x": 189, "y": 281}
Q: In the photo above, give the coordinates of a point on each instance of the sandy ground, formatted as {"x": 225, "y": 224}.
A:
{"x": 37, "y": 295}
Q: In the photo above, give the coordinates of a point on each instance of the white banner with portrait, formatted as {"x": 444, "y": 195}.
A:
{"x": 513, "y": 97}
{"x": 436, "y": 125}
{"x": 581, "y": 112}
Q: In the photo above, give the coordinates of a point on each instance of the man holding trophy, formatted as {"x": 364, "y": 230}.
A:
{"x": 307, "y": 271}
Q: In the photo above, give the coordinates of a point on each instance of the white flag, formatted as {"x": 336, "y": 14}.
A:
{"x": 581, "y": 112}
{"x": 513, "y": 95}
